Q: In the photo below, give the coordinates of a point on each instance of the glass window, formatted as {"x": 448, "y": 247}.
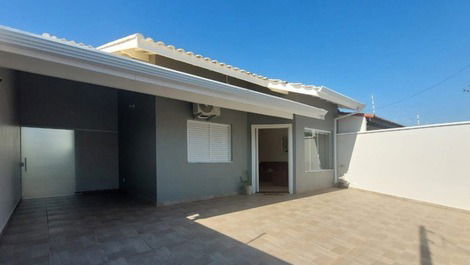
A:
{"x": 317, "y": 150}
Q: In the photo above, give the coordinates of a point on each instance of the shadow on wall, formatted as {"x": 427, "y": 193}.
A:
{"x": 425, "y": 252}
{"x": 345, "y": 149}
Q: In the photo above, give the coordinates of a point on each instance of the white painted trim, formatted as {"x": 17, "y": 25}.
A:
{"x": 320, "y": 132}
{"x": 36, "y": 54}
{"x": 206, "y": 122}
{"x": 335, "y": 140}
{"x": 409, "y": 128}
{"x": 254, "y": 160}
{"x": 317, "y": 130}
{"x": 255, "y": 154}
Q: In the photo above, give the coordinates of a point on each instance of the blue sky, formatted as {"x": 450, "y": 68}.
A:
{"x": 391, "y": 49}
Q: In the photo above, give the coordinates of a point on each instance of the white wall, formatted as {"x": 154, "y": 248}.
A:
{"x": 427, "y": 163}
{"x": 352, "y": 124}
{"x": 10, "y": 185}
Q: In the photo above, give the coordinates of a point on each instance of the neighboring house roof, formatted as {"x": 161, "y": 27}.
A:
{"x": 379, "y": 122}
{"x": 60, "y": 58}
{"x": 137, "y": 46}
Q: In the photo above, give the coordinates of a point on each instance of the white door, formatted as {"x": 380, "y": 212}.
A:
{"x": 49, "y": 162}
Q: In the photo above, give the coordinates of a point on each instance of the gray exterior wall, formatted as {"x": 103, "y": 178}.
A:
{"x": 137, "y": 145}
{"x": 10, "y": 182}
{"x": 311, "y": 181}
{"x": 90, "y": 110}
{"x": 178, "y": 180}
{"x": 57, "y": 103}
{"x": 96, "y": 161}
{"x": 303, "y": 181}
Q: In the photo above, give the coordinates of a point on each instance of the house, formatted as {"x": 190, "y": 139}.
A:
{"x": 160, "y": 123}
{"x": 361, "y": 122}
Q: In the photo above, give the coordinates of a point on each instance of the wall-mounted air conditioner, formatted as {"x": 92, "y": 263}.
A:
{"x": 205, "y": 112}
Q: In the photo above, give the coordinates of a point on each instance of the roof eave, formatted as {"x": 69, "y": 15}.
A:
{"x": 36, "y": 54}
{"x": 138, "y": 42}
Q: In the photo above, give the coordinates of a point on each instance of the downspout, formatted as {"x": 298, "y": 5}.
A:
{"x": 335, "y": 140}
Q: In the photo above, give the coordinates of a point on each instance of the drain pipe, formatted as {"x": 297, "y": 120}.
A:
{"x": 335, "y": 141}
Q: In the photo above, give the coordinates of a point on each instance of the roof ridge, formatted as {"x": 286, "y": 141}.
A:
{"x": 171, "y": 47}
{"x": 272, "y": 83}
{"x": 63, "y": 40}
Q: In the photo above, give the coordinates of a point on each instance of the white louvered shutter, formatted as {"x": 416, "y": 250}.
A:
{"x": 198, "y": 141}
{"x": 209, "y": 142}
{"x": 220, "y": 143}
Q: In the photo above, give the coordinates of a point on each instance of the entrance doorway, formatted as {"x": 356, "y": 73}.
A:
{"x": 272, "y": 158}
{"x": 48, "y": 157}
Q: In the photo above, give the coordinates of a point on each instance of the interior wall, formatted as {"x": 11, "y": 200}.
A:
{"x": 137, "y": 145}
{"x": 271, "y": 145}
{"x": 179, "y": 180}
{"x": 10, "y": 180}
{"x": 91, "y": 110}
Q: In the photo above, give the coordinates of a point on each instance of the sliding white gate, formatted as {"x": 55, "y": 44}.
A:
{"x": 48, "y": 162}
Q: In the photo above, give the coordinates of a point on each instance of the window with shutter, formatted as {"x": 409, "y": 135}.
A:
{"x": 209, "y": 142}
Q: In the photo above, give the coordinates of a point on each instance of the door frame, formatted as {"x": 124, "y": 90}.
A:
{"x": 255, "y": 153}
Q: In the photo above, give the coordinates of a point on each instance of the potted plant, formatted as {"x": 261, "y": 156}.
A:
{"x": 343, "y": 183}
{"x": 246, "y": 185}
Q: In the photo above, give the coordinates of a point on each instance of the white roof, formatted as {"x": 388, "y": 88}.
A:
{"x": 137, "y": 46}
{"x": 60, "y": 58}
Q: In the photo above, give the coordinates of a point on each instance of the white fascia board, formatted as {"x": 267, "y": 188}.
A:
{"x": 125, "y": 43}
{"x": 139, "y": 43}
{"x": 340, "y": 99}
{"x": 32, "y": 53}
{"x": 317, "y": 91}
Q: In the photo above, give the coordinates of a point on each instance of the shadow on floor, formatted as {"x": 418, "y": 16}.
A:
{"x": 114, "y": 229}
{"x": 424, "y": 250}
{"x": 224, "y": 205}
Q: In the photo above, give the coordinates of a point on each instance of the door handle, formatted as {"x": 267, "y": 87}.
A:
{"x": 25, "y": 164}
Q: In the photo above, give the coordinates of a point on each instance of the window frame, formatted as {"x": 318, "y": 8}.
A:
{"x": 210, "y": 160}
{"x": 314, "y": 132}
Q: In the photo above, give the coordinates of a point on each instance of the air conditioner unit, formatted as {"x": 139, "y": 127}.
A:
{"x": 205, "y": 112}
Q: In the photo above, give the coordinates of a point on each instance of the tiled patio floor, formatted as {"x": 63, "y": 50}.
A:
{"x": 335, "y": 227}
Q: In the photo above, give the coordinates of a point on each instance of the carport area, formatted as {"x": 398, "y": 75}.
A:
{"x": 79, "y": 137}
{"x": 333, "y": 227}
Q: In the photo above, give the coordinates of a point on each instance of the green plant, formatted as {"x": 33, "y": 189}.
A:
{"x": 245, "y": 186}
{"x": 245, "y": 181}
